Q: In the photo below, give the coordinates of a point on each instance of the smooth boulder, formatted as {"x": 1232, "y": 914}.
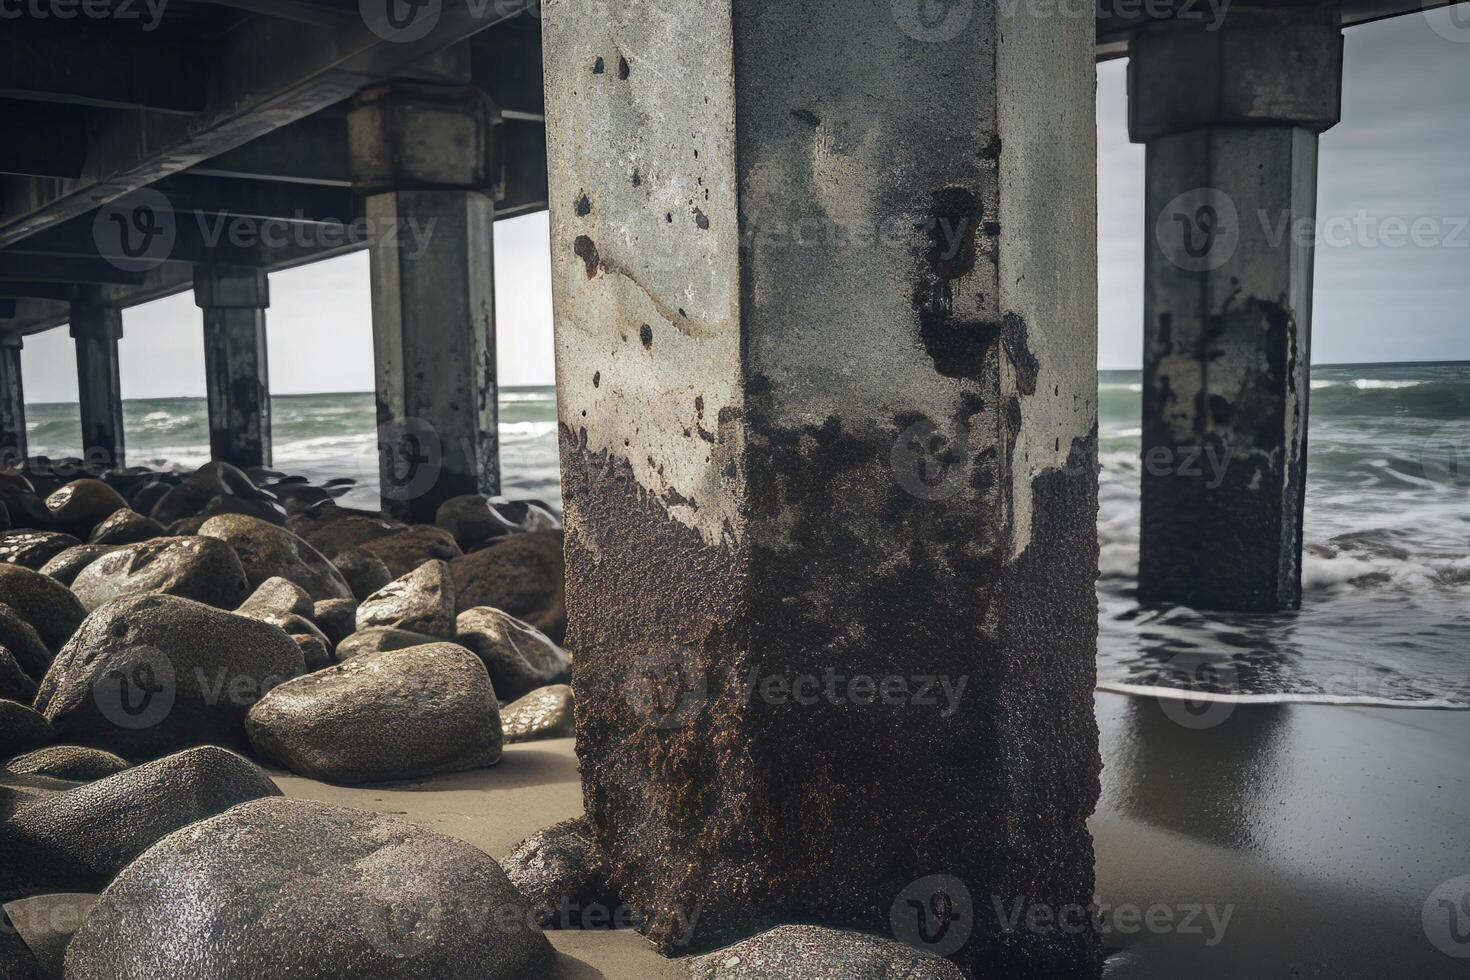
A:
{"x": 65, "y": 566}
{"x": 523, "y": 574}
{"x": 335, "y": 531}
{"x": 126, "y": 526}
{"x": 812, "y": 952}
{"x": 83, "y": 837}
{"x": 22, "y": 729}
{"x": 211, "y": 481}
{"x": 82, "y": 504}
{"x": 47, "y": 605}
{"x": 400, "y": 714}
{"x": 268, "y": 551}
{"x": 380, "y": 638}
{"x": 407, "y": 549}
{"x": 544, "y": 713}
{"x": 15, "y": 683}
{"x": 33, "y": 549}
{"x": 289, "y": 888}
{"x": 365, "y": 573}
{"x": 154, "y": 673}
{"x": 199, "y": 568}
{"x": 336, "y": 618}
{"x": 79, "y": 762}
{"x": 421, "y": 601}
{"x": 564, "y": 875}
{"x": 519, "y": 657}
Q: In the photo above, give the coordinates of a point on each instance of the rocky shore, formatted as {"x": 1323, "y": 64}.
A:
{"x": 167, "y": 638}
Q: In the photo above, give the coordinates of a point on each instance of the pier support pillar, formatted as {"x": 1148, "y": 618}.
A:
{"x": 12, "y": 403}
{"x": 1230, "y": 118}
{"x": 826, "y": 365}
{"x": 424, "y": 156}
{"x": 234, "y": 299}
{"x": 96, "y": 327}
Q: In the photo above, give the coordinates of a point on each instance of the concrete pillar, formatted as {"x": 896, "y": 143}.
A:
{"x": 825, "y": 288}
{"x": 12, "y": 402}
{"x": 234, "y": 299}
{"x": 423, "y": 154}
{"x": 96, "y": 327}
{"x": 1230, "y": 118}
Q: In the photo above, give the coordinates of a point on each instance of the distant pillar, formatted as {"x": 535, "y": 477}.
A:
{"x": 234, "y": 299}
{"x": 1230, "y": 118}
{"x": 96, "y": 327}
{"x": 423, "y": 154}
{"x": 12, "y": 402}
{"x": 827, "y": 388}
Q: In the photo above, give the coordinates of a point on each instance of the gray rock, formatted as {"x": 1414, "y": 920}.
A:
{"x": 126, "y": 526}
{"x": 314, "y": 651}
{"x": 522, "y": 574}
{"x": 564, "y": 875}
{"x": 400, "y": 714}
{"x": 286, "y": 605}
{"x": 24, "y": 643}
{"x": 472, "y": 520}
{"x": 46, "y": 923}
{"x": 83, "y": 837}
{"x": 380, "y": 638}
{"x": 77, "y": 762}
{"x": 333, "y": 531}
{"x": 289, "y": 888}
{"x": 336, "y": 618}
{"x": 410, "y": 547}
{"x": 365, "y": 573}
{"x": 200, "y": 568}
{"x": 68, "y": 564}
{"x": 22, "y": 729}
{"x": 155, "y": 673}
{"x": 519, "y": 657}
{"x": 82, "y": 504}
{"x": 15, "y": 683}
{"x": 544, "y": 713}
{"x": 421, "y": 601}
{"x": 47, "y": 605}
{"x": 33, "y": 549}
{"x": 809, "y": 952}
{"x": 268, "y": 551}
{"x": 213, "y": 479}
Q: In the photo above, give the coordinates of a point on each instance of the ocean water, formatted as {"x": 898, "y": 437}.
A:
{"x": 1385, "y": 615}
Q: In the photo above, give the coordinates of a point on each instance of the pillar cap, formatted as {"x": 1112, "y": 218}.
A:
{"x": 223, "y": 285}
{"x": 1259, "y": 66}
{"x": 94, "y": 317}
{"x": 404, "y": 135}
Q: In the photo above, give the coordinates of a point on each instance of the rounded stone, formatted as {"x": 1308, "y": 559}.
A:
{"x": 564, "y": 875}
{"x": 380, "y": 638}
{"x": 400, "y": 714}
{"x": 200, "y": 568}
{"x": 153, "y": 673}
{"x": 409, "y": 548}
{"x": 82, "y": 504}
{"x": 47, "y": 605}
{"x": 290, "y": 888}
{"x": 15, "y": 683}
{"x": 523, "y": 574}
{"x": 544, "y": 713}
{"x": 126, "y": 526}
{"x": 365, "y": 573}
{"x": 22, "y": 729}
{"x": 421, "y": 601}
{"x": 336, "y": 618}
{"x": 821, "y": 953}
{"x": 33, "y": 549}
{"x": 519, "y": 657}
{"x": 67, "y": 565}
{"x": 333, "y": 530}
{"x": 78, "y": 762}
{"x": 268, "y": 551}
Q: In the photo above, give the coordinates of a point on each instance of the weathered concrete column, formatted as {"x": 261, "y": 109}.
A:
{"x": 424, "y": 156}
{"x": 234, "y": 299}
{"x": 826, "y": 353}
{"x": 12, "y": 402}
{"x": 96, "y": 327}
{"x": 1230, "y": 118}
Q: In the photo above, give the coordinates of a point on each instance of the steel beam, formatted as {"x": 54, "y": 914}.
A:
{"x": 65, "y": 269}
{"x": 95, "y": 71}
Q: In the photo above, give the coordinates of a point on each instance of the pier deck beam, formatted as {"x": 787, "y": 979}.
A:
{"x": 96, "y": 327}
{"x": 423, "y": 154}
{"x": 234, "y": 299}
{"x": 826, "y": 363}
{"x": 1230, "y": 119}
{"x": 12, "y": 402}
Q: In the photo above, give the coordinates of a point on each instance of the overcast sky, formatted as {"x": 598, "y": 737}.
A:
{"x": 1402, "y": 152}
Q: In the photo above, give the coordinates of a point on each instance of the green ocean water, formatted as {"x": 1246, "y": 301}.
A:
{"x": 1386, "y": 611}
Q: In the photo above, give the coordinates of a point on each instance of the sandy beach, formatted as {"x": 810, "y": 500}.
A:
{"x": 1313, "y": 834}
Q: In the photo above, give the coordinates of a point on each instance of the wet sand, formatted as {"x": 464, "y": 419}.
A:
{"x": 1320, "y": 831}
